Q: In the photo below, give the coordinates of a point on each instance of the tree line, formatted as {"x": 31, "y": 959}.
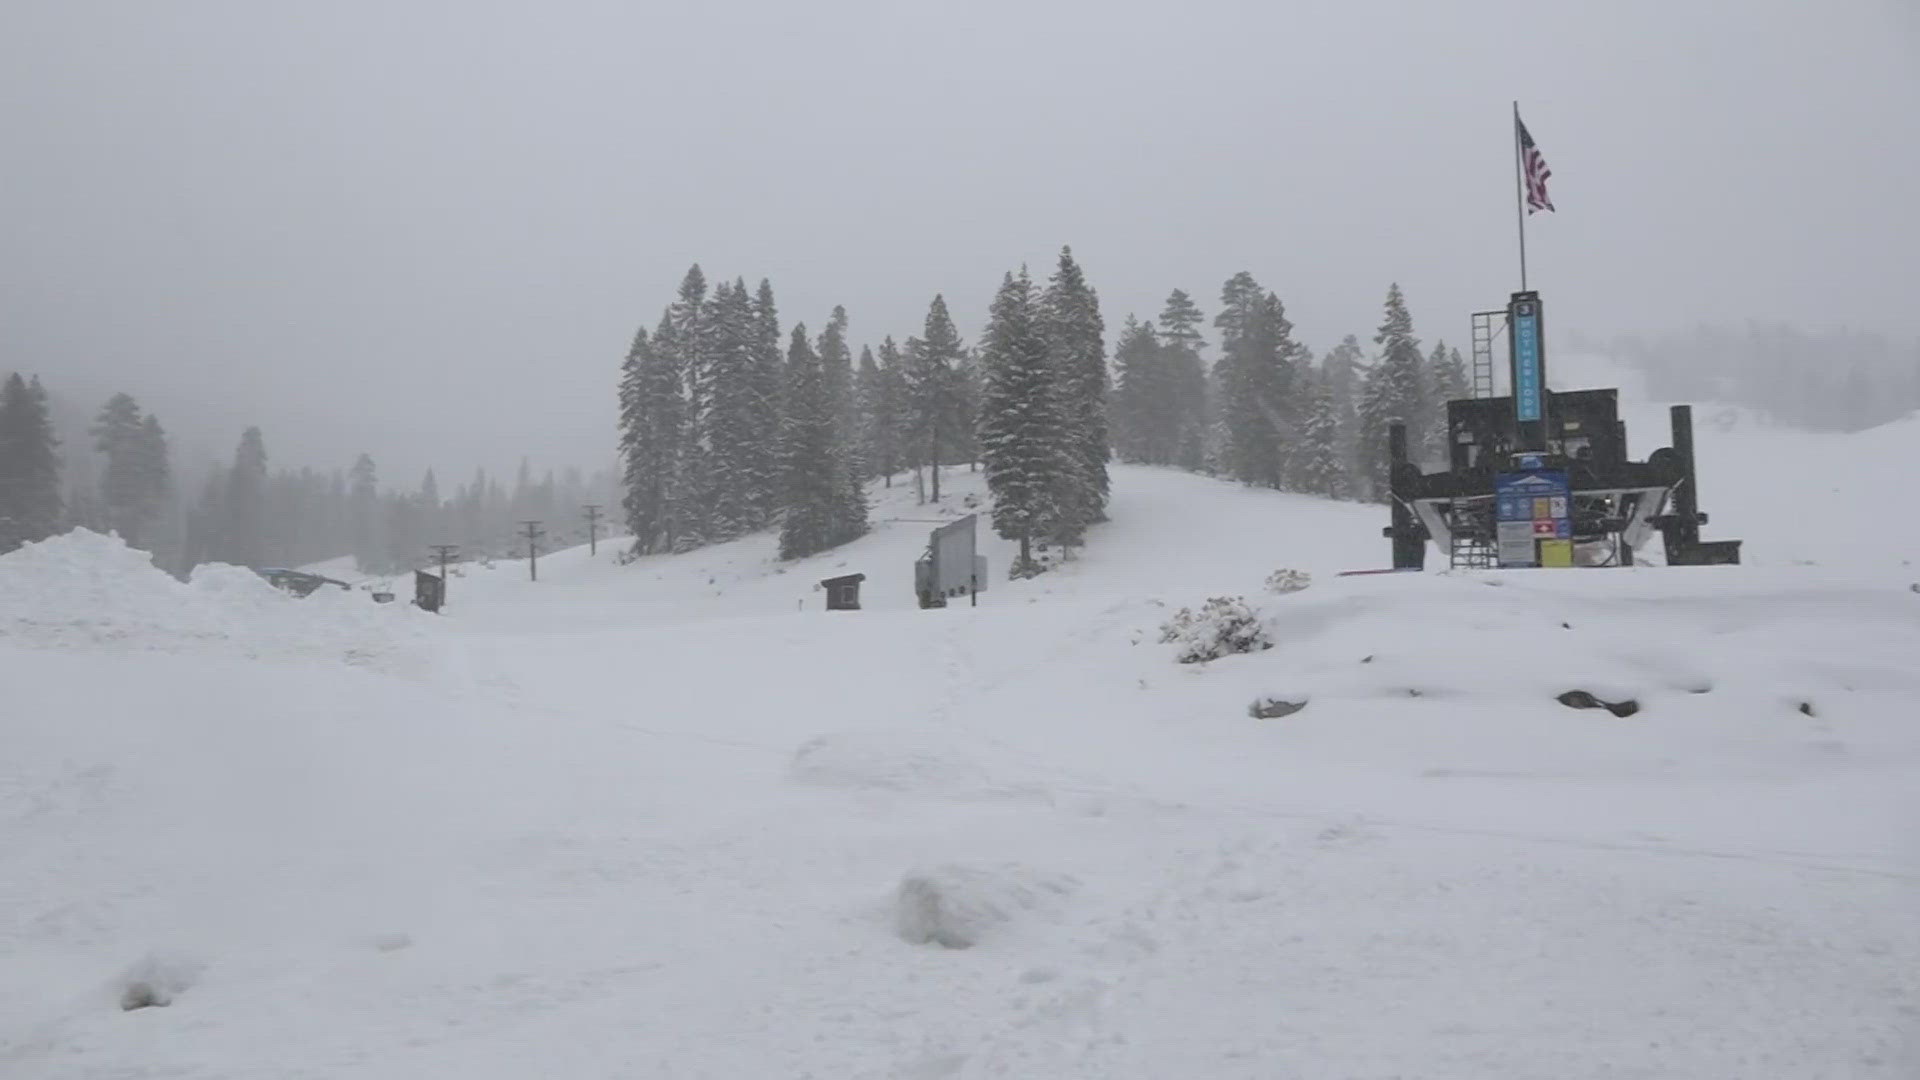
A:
{"x": 247, "y": 514}
{"x": 722, "y": 432}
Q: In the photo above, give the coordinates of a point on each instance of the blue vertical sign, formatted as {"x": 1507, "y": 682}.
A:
{"x": 1526, "y": 360}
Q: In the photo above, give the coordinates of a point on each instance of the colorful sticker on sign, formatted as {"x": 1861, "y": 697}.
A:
{"x": 1526, "y": 362}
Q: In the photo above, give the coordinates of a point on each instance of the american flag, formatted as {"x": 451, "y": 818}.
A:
{"x": 1536, "y": 170}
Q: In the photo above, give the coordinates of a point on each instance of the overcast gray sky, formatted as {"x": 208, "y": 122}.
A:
{"x": 428, "y": 229}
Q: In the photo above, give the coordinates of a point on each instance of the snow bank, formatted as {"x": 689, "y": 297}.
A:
{"x": 83, "y": 590}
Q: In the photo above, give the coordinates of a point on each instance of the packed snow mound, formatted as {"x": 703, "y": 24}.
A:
{"x": 959, "y": 906}
{"x": 83, "y": 590}
{"x": 921, "y": 762}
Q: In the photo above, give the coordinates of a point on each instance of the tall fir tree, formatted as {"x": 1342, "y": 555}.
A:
{"x": 125, "y": 505}
{"x": 730, "y": 374}
{"x": 1322, "y": 472}
{"x": 1341, "y": 371}
{"x": 653, "y": 418}
{"x": 1444, "y": 380}
{"x": 935, "y": 409}
{"x": 1139, "y": 400}
{"x": 1186, "y": 378}
{"x": 887, "y": 412}
{"x": 1391, "y": 393}
{"x": 1076, "y": 346}
{"x": 688, "y": 342}
{"x": 813, "y": 469}
{"x": 1255, "y": 376}
{"x": 770, "y": 374}
{"x": 31, "y": 507}
{"x": 154, "y": 476}
{"x": 364, "y": 511}
{"x": 1023, "y": 440}
{"x": 243, "y": 540}
{"x": 836, "y": 367}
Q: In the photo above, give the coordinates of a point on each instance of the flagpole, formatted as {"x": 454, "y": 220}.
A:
{"x": 1519, "y": 201}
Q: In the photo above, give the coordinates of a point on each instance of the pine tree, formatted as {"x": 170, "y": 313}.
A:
{"x": 1186, "y": 379}
{"x": 888, "y": 412}
{"x": 243, "y": 539}
{"x": 875, "y": 415}
{"x": 1445, "y": 379}
{"x": 1022, "y": 437}
{"x": 1391, "y": 393}
{"x": 1321, "y": 470}
{"x": 1341, "y": 372}
{"x": 770, "y": 369}
{"x": 30, "y": 504}
{"x": 125, "y": 504}
{"x": 363, "y": 497}
{"x": 731, "y": 388}
{"x": 813, "y": 471}
{"x": 1139, "y": 401}
{"x": 935, "y": 409}
{"x": 154, "y": 478}
{"x": 687, "y": 342}
{"x": 653, "y": 411}
{"x": 1076, "y": 346}
{"x": 836, "y": 368}
{"x": 1255, "y": 375}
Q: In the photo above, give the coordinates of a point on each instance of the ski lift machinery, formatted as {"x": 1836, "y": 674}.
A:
{"x": 1542, "y": 478}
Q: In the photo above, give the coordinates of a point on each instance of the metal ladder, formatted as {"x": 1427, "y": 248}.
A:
{"x": 1467, "y": 552}
{"x": 1485, "y": 332}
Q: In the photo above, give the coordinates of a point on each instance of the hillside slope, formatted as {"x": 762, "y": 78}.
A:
{"x": 672, "y": 819}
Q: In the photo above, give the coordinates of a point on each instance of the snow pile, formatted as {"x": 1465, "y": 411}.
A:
{"x": 957, "y": 906}
{"x": 919, "y": 762}
{"x": 84, "y": 590}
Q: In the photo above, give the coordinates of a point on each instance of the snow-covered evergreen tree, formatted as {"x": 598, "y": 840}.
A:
{"x": 770, "y": 374}
{"x": 836, "y": 366}
{"x": 363, "y": 495}
{"x": 1257, "y": 413}
{"x": 1139, "y": 395}
{"x": 652, "y": 437}
{"x": 1445, "y": 379}
{"x": 731, "y": 388}
{"x": 1022, "y": 438}
{"x": 885, "y": 404}
{"x": 31, "y": 507}
{"x": 1322, "y": 472}
{"x": 1391, "y": 393}
{"x": 1185, "y": 379}
{"x": 128, "y": 499}
{"x": 813, "y": 470}
{"x": 935, "y": 407}
{"x": 243, "y": 541}
{"x": 1076, "y": 346}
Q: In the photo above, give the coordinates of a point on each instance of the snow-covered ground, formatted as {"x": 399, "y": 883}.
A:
{"x": 672, "y": 819}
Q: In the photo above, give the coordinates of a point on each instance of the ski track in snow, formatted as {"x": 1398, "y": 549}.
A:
{"x": 649, "y": 821}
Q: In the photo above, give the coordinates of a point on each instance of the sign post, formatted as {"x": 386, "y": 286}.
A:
{"x": 1533, "y": 517}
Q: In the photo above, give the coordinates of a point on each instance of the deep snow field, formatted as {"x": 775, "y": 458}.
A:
{"x": 672, "y": 819}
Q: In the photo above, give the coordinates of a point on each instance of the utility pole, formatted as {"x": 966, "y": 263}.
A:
{"x": 443, "y": 554}
{"x": 592, "y": 510}
{"x": 534, "y": 533}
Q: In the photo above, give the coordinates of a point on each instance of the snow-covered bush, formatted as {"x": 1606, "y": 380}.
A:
{"x": 1288, "y": 581}
{"x": 1223, "y": 626}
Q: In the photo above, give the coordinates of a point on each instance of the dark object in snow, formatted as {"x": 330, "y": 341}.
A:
{"x": 297, "y": 582}
{"x": 144, "y": 995}
{"x": 1580, "y": 699}
{"x": 1566, "y": 626}
{"x": 843, "y": 592}
{"x": 429, "y": 590}
{"x": 1592, "y": 504}
{"x": 1367, "y": 659}
{"x": 1268, "y": 708}
{"x": 1806, "y": 708}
